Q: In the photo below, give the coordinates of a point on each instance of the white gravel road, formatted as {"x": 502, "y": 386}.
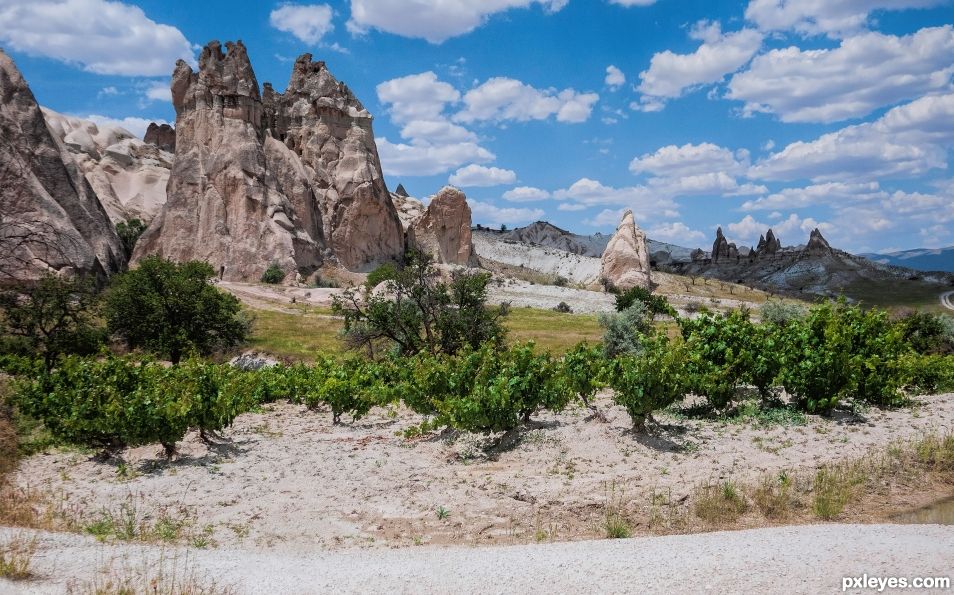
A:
{"x": 947, "y": 300}
{"x": 806, "y": 559}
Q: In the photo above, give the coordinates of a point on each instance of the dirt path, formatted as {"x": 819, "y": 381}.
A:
{"x": 807, "y": 559}
{"x": 946, "y": 300}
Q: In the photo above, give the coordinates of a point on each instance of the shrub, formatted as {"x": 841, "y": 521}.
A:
{"x": 50, "y": 317}
{"x": 781, "y": 313}
{"x": 584, "y": 371}
{"x": 624, "y": 332}
{"x": 346, "y": 387}
{"x": 720, "y": 503}
{"x": 929, "y": 373}
{"x": 129, "y": 232}
{"x": 273, "y": 275}
{"x": 652, "y": 379}
{"x": 655, "y": 304}
{"x": 170, "y": 309}
{"x": 928, "y": 333}
{"x": 385, "y": 272}
{"x": 421, "y": 312}
{"x": 563, "y": 307}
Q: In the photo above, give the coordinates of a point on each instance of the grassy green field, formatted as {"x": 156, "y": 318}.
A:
{"x": 303, "y": 332}
{"x": 898, "y": 294}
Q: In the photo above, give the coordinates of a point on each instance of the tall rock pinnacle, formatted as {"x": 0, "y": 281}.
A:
{"x": 625, "y": 262}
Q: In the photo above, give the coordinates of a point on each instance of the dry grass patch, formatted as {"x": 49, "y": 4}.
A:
{"x": 16, "y": 557}
{"x": 169, "y": 575}
{"x": 719, "y": 504}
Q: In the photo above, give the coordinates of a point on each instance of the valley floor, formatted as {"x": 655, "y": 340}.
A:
{"x": 807, "y": 559}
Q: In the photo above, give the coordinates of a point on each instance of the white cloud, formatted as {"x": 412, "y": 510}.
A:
{"x": 487, "y": 213}
{"x": 423, "y": 159}
{"x": 614, "y": 77}
{"x": 433, "y": 20}
{"x": 437, "y": 131}
{"x": 417, "y": 97}
{"x": 108, "y": 91}
{"x": 155, "y": 91}
{"x": 526, "y": 194}
{"x": 502, "y": 98}
{"x": 676, "y": 232}
{"x": 670, "y": 75}
{"x": 633, "y": 2}
{"x": 908, "y": 140}
{"x": 102, "y": 37}
{"x": 830, "y": 193}
{"x": 137, "y": 126}
{"x": 307, "y": 22}
{"x": 813, "y": 17}
{"x": 645, "y": 202}
{"x": 864, "y": 73}
{"x": 479, "y": 176}
{"x": 606, "y": 218}
{"x": 690, "y": 159}
{"x": 571, "y": 207}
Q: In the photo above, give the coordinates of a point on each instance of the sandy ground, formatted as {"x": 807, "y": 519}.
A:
{"x": 287, "y": 479}
{"x": 807, "y": 559}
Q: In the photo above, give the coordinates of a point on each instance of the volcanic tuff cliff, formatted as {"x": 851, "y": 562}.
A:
{"x": 50, "y": 218}
{"x": 625, "y": 262}
{"x": 289, "y": 178}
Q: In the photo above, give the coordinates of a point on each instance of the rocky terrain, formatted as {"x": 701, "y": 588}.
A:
{"x": 51, "y": 219}
{"x": 442, "y": 229}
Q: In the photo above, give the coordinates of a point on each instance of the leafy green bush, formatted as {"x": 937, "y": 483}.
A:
{"x": 348, "y": 387}
{"x": 650, "y": 380}
{"x": 624, "y": 332}
{"x": 655, "y": 304}
{"x": 563, "y": 308}
{"x": 171, "y": 309}
{"x": 385, "y": 272}
{"x": 841, "y": 352}
{"x": 129, "y": 232}
{"x": 273, "y": 275}
{"x": 929, "y": 373}
{"x": 584, "y": 371}
{"x": 928, "y": 333}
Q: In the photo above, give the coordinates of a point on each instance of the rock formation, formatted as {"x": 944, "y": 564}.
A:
{"x": 697, "y": 255}
{"x": 321, "y": 121}
{"x": 444, "y": 229}
{"x": 50, "y": 218}
{"x": 768, "y": 245}
{"x": 161, "y": 135}
{"x": 408, "y": 209}
{"x": 625, "y": 262}
{"x": 400, "y": 191}
{"x": 722, "y": 250}
{"x": 817, "y": 245}
{"x": 128, "y": 175}
{"x": 225, "y": 202}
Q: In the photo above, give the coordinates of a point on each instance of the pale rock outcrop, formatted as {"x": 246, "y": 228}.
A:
{"x": 51, "y": 220}
{"x": 625, "y": 262}
{"x": 444, "y": 229}
{"x": 227, "y": 201}
{"x": 161, "y": 135}
{"x": 128, "y": 175}
{"x": 409, "y": 210}
{"x": 321, "y": 121}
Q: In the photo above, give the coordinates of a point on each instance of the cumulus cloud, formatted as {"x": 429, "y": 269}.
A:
{"x": 675, "y": 232}
{"x": 907, "y": 141}
{"x": 421, "y": 158}
{"x": 307, "y": 22}
{"x": 670, "y": 75}
{"x": 614, "y": 77}
{"x": 817, "y": 194}
{"x": 101, "y": 36}
{"x": 526, "y": 194}
{"x": 416, "y": 97}
{"x": 746, "y": 232}
{"x": 433, "y": 20}
{"x": 645, "y": 202}
{"x": 832, "y": 18}
{"x": 864, "y": 73}
{"x": 502, "y": 98}
{"x": 690, "y": 159}
{"x": 487, "y": 213}
{"x": 479, "y": 176}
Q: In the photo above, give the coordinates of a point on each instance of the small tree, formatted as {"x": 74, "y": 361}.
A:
{"x": 420, "y": 312}
{"x": 170, "y": 309}
{"x": 624, "y": 332}
{"x": 129, "y": 232}
{"x": 273, "y": 275}
{"x": 51, "y": 317}
{"x": 650, "y": 380}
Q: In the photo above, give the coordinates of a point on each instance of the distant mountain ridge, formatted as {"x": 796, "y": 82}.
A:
{"x": 921, "y": 259}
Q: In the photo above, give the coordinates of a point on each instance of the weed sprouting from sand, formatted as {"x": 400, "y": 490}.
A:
{"x": 173, "y": 574}
{"x": 129, "y": 522}
{"x": 442, "y": 513}
{"x": 833, "y": 488}
{"x": 775, "y": 497}
{"x": 615, "y": 525}
{"x": 719, "y": 504}
{"x": 16, "y": 557}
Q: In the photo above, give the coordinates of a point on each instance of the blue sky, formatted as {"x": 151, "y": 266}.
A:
{"x": 786, "y": 113}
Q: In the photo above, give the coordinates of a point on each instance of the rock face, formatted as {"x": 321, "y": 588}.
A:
{"x": 50, "y": 218}
{"x": 625, "y": 262}
{"x": 817, "y": 245}
{"x": 226, "y": 203}
{"x": 289, "y": 178}
{"x": 722, "y": 250}
{"x": 401, "y": 192}
{"x": 444, "y": 229}
{"x": 128, "y": 175}
{"x": 321, "y": 122}
{"x": 409, "y": 209}
{"x": 162, "y": 136}
{"x": 768, "y": 246}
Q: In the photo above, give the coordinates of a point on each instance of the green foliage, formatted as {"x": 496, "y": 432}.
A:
{"x": 50, "y": 317}
{"x": 584, "y": 371}
{"x": 725, "y": 351}
{"x": 655, "y": 304}
{"x": 781, "y": 313}
{"x": 928, "y": 333}
{"x": 386, "y": 272}
{"x": 129, "y": 232}
{"x": 273, "y": 275}
{"x": 650, "y": 380}
{"x": 170, "y": 309}
{"x": 348, "y": 387}
{"x": 841, "y": 352}
{"x": 419, "y": 312}
{"x": 625, "y": 332}
{"x": 929, "y": 373}
{"x": 563, "y": 307}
